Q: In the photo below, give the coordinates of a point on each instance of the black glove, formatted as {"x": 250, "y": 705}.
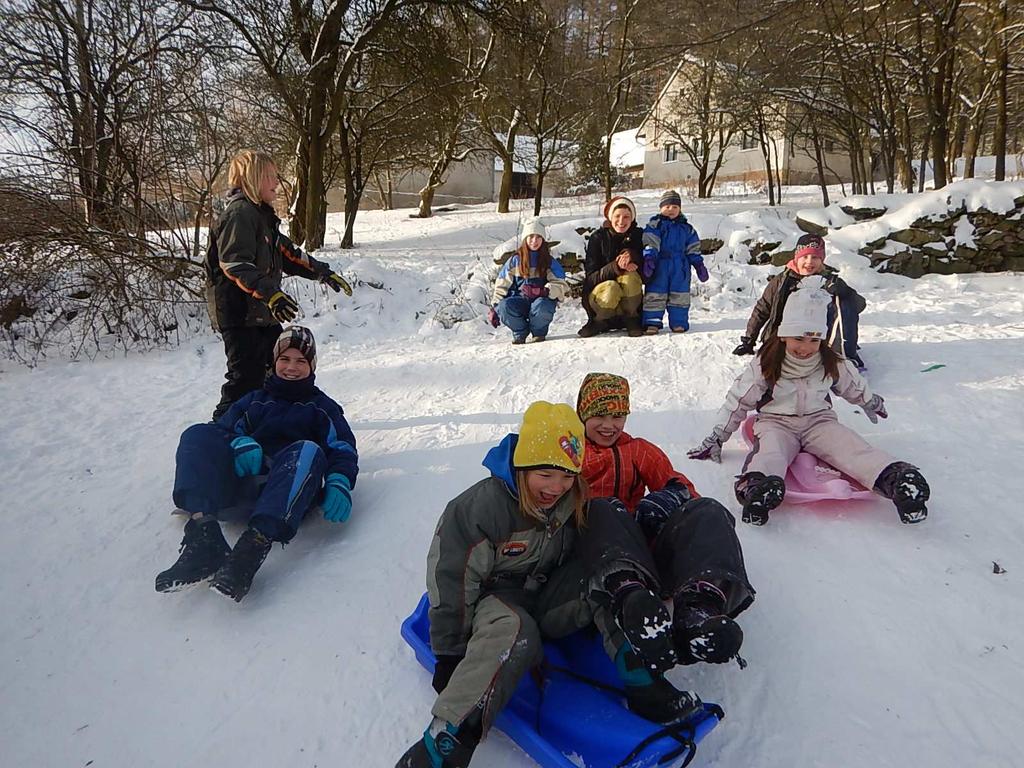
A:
{"x": 655, "y": 508}
{"x": 283, "y": 307}
{"x": 745, "y": 347}
{"x": 444, "y": 669}
{"x": 337, "y": 283}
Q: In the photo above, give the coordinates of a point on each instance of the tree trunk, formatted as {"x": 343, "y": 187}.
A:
{"x": 538, "y": 193}
{"x": 505, "y": 186}
{"x": 819, "y": 162}
{"x": 426, "y": 201}
{"x": 1002, "y": 63}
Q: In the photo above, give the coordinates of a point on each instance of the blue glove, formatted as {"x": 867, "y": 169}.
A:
{"x": 248, "y": 456}
{"x": 650, "y": 262}
{"x": 337, "y": 501}
{"x": 702, "y": 272}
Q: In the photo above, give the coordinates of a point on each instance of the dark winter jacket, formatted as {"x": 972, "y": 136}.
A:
{"x": 483, "y": 544}
{"x": 603, "y": 248}
{"x": 244, "y": 263}
{"x": 767, "y": 312}
{"x": 284, "y": 412}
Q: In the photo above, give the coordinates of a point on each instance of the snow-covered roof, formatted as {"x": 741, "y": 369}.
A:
{"x": 627, "y": 149}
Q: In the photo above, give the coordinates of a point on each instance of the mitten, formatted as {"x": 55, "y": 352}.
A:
{"x": 555, "y": 291}
{"x": 650, "y": 262}
{"x": 702, "y": 272}
{"x": 655, "y": 508}
{"x": 337, "y": 283}
{"x": 531, "y": 291}
{"x": 711, "y": 448}
{"x": 444, "y": 669}
{"x": 745, "y": 347}
{"x": 492, "y": 317}
{"x": 337, "y": 503}
{"x": 875, "y": 409}
{"x": 283, "y": 307}
{"x": 248, "y": 456}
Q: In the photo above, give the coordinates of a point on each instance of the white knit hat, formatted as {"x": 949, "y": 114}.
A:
{"x": 806, "y": 310}
{"x": 533, "y": 227}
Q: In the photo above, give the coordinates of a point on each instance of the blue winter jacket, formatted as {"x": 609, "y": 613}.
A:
{"x": 284, "y": 412}
{"x": 510, "y": 283}
{"x": 674, "y": 240}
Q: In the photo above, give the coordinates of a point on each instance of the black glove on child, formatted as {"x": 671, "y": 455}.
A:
{"x": 745, "y": 347}
{"x": 444, "y": 669}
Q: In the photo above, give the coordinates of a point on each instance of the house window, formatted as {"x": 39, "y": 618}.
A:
{"x": 671, "y": 153}
{"x": 698, "y": 146}
{"x": 747, "y": 140}
{"x": 830, "y": 145}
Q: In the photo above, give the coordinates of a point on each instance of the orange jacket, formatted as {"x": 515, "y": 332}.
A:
{"x": 628, "y": 470}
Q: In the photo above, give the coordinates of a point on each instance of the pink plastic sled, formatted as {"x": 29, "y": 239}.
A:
{"x": 809, "y": 479}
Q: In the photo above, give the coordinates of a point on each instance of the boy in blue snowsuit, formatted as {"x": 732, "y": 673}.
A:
{"x": 289, "y": 430}
{"x": 671, "y": 247}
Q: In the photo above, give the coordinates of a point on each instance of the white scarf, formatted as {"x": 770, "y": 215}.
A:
{"x": 795, "y": 368}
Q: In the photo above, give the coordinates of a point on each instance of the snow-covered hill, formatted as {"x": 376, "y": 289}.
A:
{"x": 870, "y": 644}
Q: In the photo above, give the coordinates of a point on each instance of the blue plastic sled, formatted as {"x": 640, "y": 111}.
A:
{"x": 568, "y": 723}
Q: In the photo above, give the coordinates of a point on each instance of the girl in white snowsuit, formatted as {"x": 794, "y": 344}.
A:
{"x": 790, "y": 383}
{"x": 525, "y": 554}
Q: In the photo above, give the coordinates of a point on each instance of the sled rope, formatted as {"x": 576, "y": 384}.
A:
{"x": 681, "y": 732}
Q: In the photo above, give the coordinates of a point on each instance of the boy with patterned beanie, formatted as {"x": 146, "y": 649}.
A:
{"x": 698, "y": 558}
{"x": 288, "y": 430}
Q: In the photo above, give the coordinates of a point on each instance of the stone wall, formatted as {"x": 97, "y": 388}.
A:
{"x": 934, "y": 244}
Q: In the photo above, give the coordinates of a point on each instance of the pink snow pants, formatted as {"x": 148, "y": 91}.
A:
{"x": 778, "y": 439}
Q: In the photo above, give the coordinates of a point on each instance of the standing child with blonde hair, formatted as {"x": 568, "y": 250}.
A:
{"x": 790, "y": 384}
{"x": 528, "y": 287}
{"x": 245, "y": 262}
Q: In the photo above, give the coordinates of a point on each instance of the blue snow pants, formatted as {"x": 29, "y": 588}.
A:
{"x": 669, "y": 287}
{"x": 524, "y": 317}
{"x": 205, "y": 480}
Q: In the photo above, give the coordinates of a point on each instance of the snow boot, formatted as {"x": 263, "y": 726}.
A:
{"x": 634, "y": 327}
{"x": 652, "y": 330}
{"x": 643, "y": 619}
{"x": 442, "y": 746}
{"x": 651, "y": 696}
{"x": 592, "y": 328}
{"x": 759, "y": 495}
{"x": 203, "y": 550}
{"x": 700, "y": 628}
{"x": 518, "y": 339}
{"x": 234, "y": 578}
{"x": 909, "y": 491}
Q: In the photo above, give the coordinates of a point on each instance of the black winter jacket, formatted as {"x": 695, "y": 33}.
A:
{"x": 767, "y": 312}
{"x": 245, "y": 260}
{"x": 603, "y": 247}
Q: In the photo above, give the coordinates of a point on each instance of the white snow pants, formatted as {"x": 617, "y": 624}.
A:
{"x": 778, "y": 439}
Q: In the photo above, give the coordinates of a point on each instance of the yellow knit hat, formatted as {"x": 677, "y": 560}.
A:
{"x": 551, "y": 436}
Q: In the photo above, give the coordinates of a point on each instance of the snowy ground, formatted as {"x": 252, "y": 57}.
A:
{"x": 870, "y": 643}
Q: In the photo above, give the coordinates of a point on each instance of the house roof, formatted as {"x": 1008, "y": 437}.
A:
{"x": 627, "y": 149}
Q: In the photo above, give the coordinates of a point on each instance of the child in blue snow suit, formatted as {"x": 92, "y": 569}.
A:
{"x": 671, "y": 247}
{"x": 289, "y": 429}
{"x": 528, "y": 287}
